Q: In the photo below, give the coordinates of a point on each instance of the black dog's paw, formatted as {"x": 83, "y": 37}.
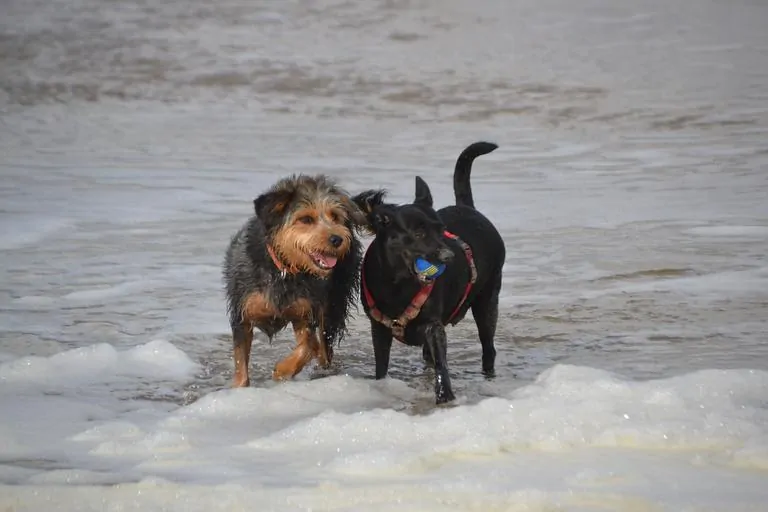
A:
{"x": 443, "y": 391}
{"x": 445, "y": 397}
{"x": 489, "y": 362}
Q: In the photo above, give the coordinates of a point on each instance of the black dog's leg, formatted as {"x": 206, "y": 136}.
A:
{"x": 485, "y": 309}
{"x": 438, "y": 345}
{"x": 382, "y": 343}
{"x": 426, "y": 354}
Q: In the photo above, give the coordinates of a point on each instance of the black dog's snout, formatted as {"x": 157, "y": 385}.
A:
{"x": 445, "y": 255}
{"x": 335, "y": 240}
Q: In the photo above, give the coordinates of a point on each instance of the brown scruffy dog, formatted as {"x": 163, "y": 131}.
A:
{"x": 297, "y": 261}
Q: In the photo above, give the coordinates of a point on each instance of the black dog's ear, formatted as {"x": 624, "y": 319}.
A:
{"x": 358, "y": 216}
{"x": 271, "y": 206}
{"x": 380, "y": 218}
{"x": 423, "y": 195}
{"x": 366, "y": 203}
{"x": 369, "y": 200}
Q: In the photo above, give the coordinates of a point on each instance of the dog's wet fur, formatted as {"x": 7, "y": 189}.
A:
{"x": 406, "y": 232}
{"x": 297, "y": 261}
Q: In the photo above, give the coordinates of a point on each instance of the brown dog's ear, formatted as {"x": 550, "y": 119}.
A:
{"x": 270, "y": 207}
{"x": 423, "y": 194}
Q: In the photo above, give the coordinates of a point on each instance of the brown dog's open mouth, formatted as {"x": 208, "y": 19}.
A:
{"x": 324, "y": 261}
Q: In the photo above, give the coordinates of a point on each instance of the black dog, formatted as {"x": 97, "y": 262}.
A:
{"x": 400, "y": 302}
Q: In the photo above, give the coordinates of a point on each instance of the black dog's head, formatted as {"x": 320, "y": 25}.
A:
{"x": 407, "y": 232}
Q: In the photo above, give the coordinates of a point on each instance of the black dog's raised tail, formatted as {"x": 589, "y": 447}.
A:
{"x": 461, "y": 186}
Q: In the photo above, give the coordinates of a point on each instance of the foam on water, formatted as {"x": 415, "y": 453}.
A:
{"x": 88, "y": 364}
{"x": 574, "y": 435}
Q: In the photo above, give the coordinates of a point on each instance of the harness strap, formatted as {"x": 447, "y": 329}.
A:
{"x": 411, "y": 311}
{"x": 472, "y": 269}
{"x": 414, "y": 308}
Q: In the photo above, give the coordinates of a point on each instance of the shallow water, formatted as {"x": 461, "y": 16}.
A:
{"x": 629, "y": 186}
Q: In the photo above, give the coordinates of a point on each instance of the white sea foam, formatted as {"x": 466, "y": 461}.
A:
{"x": 100, "y": 362}
{"x": 576, "y": 433}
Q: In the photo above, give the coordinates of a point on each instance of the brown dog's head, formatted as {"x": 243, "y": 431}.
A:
{"x": 309, "y": 223}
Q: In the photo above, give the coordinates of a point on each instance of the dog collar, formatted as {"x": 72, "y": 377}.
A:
{"x": 397, "y": 325}
{"x": 277, "y": 262}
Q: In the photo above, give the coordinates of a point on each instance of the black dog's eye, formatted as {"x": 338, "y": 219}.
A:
{"x": 418, "y": 235}
{"x": 306, "y": 219}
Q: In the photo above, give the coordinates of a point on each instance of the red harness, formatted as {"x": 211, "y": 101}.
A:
{"x": 414, "y": 308}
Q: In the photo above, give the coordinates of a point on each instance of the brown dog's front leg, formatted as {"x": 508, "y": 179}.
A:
{"x": 306, "y": 348}
{"x": 242, "y": 338}
{"x": 325, "y": 347}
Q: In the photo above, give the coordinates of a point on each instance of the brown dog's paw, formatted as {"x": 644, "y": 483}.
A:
{"x": 280, "y": 374}
{"x": 241, "y": 382}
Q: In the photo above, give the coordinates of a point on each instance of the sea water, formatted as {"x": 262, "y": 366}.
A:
{"x": 629, "y": 187}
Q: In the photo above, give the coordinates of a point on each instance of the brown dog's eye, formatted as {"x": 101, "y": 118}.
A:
{"x": 306, "y": 219}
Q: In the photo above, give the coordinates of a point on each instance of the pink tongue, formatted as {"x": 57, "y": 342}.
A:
{"x": 328, "y": 261}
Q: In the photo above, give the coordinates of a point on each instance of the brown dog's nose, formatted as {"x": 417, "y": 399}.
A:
{"x": 335, "y": 240}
